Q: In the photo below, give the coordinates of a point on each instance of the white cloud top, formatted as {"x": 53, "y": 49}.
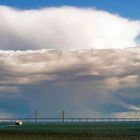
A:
{"x": 65, "y": 28}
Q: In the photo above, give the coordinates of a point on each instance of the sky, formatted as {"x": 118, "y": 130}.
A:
{"x": 82, "y": 57}
{"x": 127, "y": 8}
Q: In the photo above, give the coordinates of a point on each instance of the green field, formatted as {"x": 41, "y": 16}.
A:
{"x": 71, "y": 131}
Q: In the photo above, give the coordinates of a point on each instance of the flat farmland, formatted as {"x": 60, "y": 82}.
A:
{"x": 71, "y": 131}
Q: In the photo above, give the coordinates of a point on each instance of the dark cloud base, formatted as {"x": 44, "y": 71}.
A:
{"x": 84, "y": 83}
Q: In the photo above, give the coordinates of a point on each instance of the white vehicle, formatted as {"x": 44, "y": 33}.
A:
{"x": 18, "y": 122}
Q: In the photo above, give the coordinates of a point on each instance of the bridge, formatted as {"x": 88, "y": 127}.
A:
{"x": 60, "y": 118}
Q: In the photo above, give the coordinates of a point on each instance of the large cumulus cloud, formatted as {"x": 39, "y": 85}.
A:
{"x": 65, "y": 28}
{"x": 99, "y": 77}
{"x": 91, "y": 81}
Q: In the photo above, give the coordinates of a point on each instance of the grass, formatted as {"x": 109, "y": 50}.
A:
{"x": 72, "y": 131}
{"x": 31, "y": 136}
